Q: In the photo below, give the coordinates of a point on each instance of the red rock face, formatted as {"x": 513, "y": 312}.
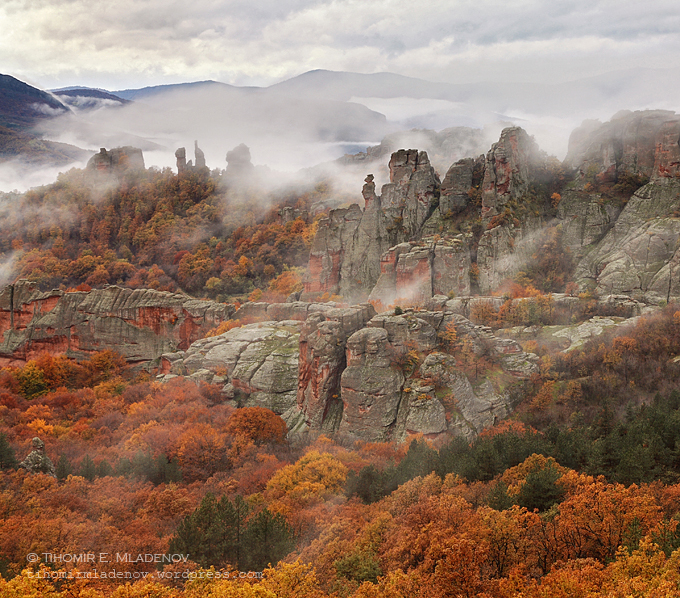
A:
{"x": 140, "y": 325}
{"x": 507, "y": 169}
{"x": 667, "y": 152}
{"x": 414, "y": 276}
{"x": 322, "y": 359}
{"x": 323, "y": 273}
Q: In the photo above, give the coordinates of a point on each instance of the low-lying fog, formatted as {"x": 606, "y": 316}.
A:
{"x": 300, "y": 123}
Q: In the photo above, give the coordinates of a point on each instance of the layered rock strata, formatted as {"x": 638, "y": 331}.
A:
{"x": 139, "y": 324}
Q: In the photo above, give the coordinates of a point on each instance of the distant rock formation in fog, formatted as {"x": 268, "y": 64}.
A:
{"x": 239, "y": 165}
{"x": 184, "y": 166}
{"x": 117, "y": 160}
{"x": 618, "y": 214}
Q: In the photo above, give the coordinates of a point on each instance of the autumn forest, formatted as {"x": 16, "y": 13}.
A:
{"x": 575, "y": 494}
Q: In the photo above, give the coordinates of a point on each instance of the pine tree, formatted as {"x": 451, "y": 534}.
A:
{"x": 7, "y": 457}
{"x": 88, "y": 469}
{"x": 269, "y": 538}
{"x": 64, "y": 468}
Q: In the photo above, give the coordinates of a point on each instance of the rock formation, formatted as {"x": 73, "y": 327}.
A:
{"x": 184, "y": 166}
{"x": 414, "y": 272}
{"x": 456, "y": 186}
{"x": 403, "y": 244}
{"x": 258, "y": 362}
{"x": 139, "y": 324}
{"x": 181, "y": 155}
{"x": 626, "y": 144}
{"x": 345, "y": 255}
{"x": 199, "y": 155}
{"x": 37, "y": 460}
{"x": 628, "y": 248}
{"x": 509, "y": 170}
{"x": 370, "y": 387}
{"x": 322, "y": 362}
{"x": 239, "y": 166}
{"x": 117, "y": 160}
{"x": 341, "y": 369}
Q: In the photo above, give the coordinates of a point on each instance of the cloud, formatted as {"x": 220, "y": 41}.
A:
{"x": 162, "y": 41}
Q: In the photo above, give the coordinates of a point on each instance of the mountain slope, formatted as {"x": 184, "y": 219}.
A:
{"x": 22, "y": 106}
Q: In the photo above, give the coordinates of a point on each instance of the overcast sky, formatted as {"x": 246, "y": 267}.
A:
{"x": 117, "y": 44}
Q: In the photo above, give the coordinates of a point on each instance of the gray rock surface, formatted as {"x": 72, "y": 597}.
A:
{"x": 370, "y": 388}
{"x": 322, "y": 362}
{"x": 259, "y": 361}
{"x": 140, "y": 324}
{"x": 37, "y": 460}
{"x": 454, "y": 197}
{"x": 477, "y": 408}
{"x": 345, "y": 255}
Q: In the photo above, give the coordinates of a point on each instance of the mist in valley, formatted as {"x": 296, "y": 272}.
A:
{"x": 300, "y": 127}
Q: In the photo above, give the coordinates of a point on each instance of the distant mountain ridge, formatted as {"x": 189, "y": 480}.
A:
{"x": 154, "y": 90}
{"x": 22, "y": 105}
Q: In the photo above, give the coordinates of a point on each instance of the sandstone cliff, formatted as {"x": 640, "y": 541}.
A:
{"x": 139, "y": 324}
{"x": 345, "y": 255}
{"x": 406, "y": 244}
{"x": 347, "y": 370}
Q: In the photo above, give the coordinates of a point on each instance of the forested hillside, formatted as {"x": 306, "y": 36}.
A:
{"x": 157, "y": 230}
{"x": 529, "y": 437}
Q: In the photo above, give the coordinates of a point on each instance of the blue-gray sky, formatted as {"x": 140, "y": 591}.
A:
{"x": 134, "y": 43}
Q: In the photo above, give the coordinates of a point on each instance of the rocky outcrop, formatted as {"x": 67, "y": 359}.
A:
{"x": 199, "y": 155}
{"x": 239, "y": 166}
{"x": 626, "y": 144}
{"x": 346, "y": 369}
{"x": 117, "y": 160}
{"x": 257, "y": 363}
{"x": 184, "y": 166}
{"x": 509, "y": 170}
{"x": 412, "y": 192}
{"x": 37, "y": 460}
{"x": 346, "y": 252}
{"x": 638, "y": 254}
{"x": 456, "y": 186}
{"x": 139, "y": 324}
{"x": 475, "y": 409}
{"x": 513, "y": 167}
{"x": 504, "y": 250}
{"x": 403, "y": 245}
{"x": 322, "y": 362}
{"x": 181, "y": 157}
{"x": 371, "y": 388}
